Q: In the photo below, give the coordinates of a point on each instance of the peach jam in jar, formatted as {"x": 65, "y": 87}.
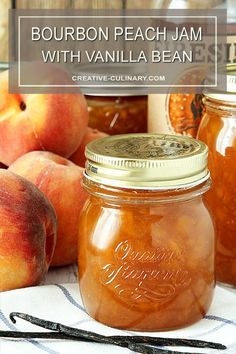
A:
{"x": 118, "y": 114}
{"x": 218, "y": 131}
{"x": 115, "y": 109}
{"x": 146, "y": 240}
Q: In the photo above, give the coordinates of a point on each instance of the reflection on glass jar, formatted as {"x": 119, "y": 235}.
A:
{"x": 218, "y": 131}
{"x": 146, "y": 240}
{"x": 118, "y": 114}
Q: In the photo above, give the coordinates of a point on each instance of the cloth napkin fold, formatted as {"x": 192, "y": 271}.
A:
{"x": 62, "y": 303}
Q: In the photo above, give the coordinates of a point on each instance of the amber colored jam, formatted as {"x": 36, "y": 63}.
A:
{"x": 218, "y": 131}
{"x": 118, "y": 115}
{"x": 185, "y": 111}
{"x": 146, "y": 258}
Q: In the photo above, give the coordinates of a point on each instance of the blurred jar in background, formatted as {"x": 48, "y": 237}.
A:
{"x": 231, "y": 32}
{"x": 115, "y": 109}
{"x": 181, "y": 113}
{"x": 118, "y": 114}
{"x": 177, "y": 113}
{"x": 218, "y": 131}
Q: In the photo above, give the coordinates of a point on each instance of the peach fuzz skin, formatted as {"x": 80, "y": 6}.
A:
{"x": 60, "y": 180}
{"x": 79, "y": 155}
{"x": 52, "y": 122}
{"x": 28, "y": 232}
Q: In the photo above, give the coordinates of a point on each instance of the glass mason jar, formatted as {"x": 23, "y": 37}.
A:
{"x": 218, "y": 131}
{"x": 118, "y": 114}
{"x": 177, "y": 113}
{"x": 115, "y": 109}
{"x": 146, "y": 239}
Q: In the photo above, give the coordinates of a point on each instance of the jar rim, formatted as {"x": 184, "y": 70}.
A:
{"x": 188, "y": 185}
{"x": 147, "y": 196}
{"x": 227, "y": 75}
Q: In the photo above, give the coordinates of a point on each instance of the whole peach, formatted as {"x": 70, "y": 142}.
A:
{"x": 91, "y": 134}
{"x": 28, "y": 232}
{"x": 60, "y": 180}
{"x": 52, "y": 122}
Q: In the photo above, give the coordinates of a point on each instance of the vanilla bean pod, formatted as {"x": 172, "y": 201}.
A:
{"x": 139, "y": 344}
{"x": 160, "y": 341}
{"x": 138, "y": 348}
{"x": 90, "y": 336}
{"x": 37, "y": 335}
{"x": 177, "y": 342}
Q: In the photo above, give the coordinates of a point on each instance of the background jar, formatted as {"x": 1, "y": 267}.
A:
{"x": 115, "y": 109}
{"x": 118, "y": 114}
{"x": 146, "y": 239}
{"x": 218, "y": 131}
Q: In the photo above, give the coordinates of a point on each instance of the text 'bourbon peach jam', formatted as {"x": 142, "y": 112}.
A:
{"x": 146, "y": 244}
{"x": 218, "y": 130}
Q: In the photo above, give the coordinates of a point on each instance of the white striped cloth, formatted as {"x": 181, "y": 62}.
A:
{"x": 62, "y": 303}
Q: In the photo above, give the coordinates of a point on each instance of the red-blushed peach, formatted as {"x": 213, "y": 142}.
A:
{"x": 27, "y": 232}
{"x": 60, "y": 180}
{"x": 28, "y": 122}
{"x": 91, "y": 134}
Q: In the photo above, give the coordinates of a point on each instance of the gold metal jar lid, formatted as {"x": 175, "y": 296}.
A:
{"x": 228, "y": 95}
{"x": 147, "y": 161}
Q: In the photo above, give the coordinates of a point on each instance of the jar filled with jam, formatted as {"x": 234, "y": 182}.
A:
{"x": 118, "y": 114}
{"x": 218, "y": 131}
{"x": 177, "y": 113}
{"x": 119, "y": 108}
{"x": 146, "y": 239}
